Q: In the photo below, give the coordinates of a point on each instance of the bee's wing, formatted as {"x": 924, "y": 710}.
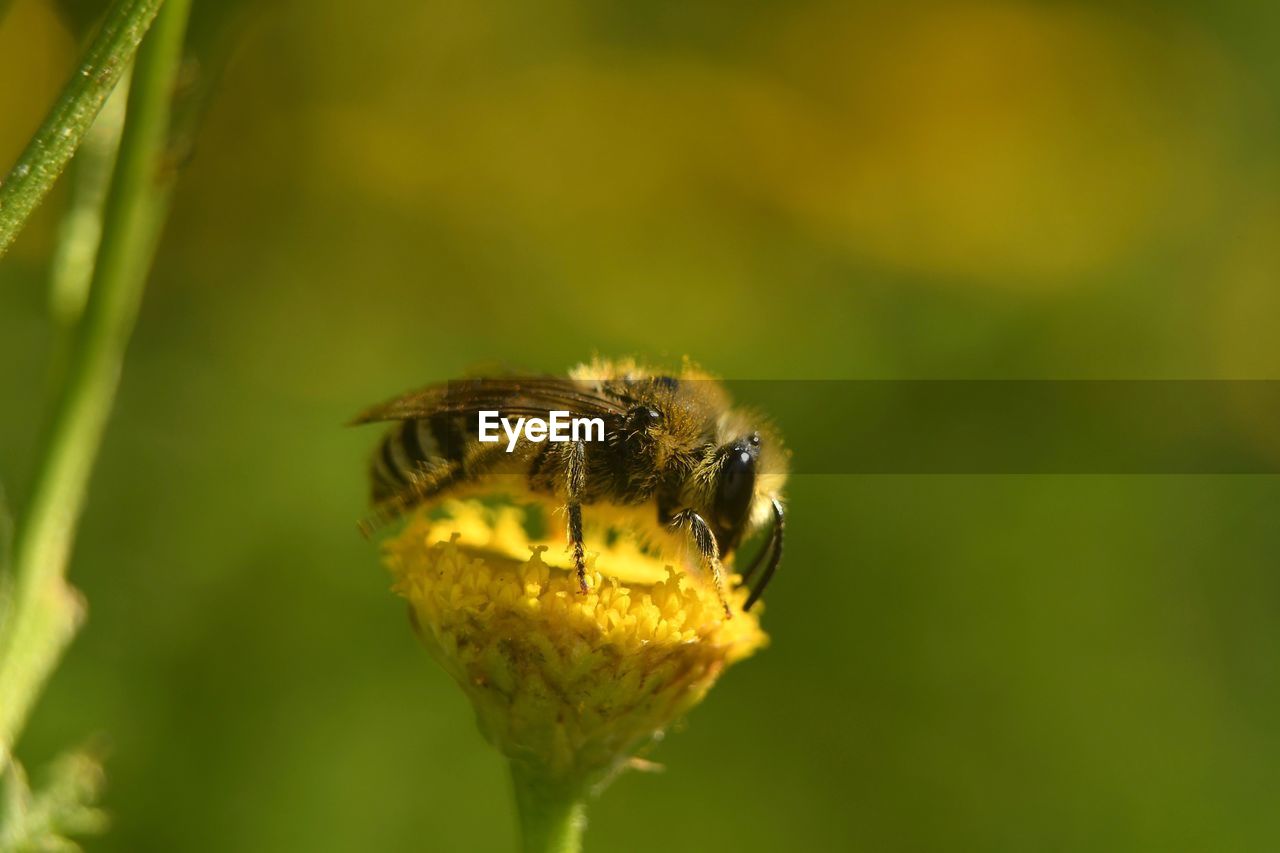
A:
{"x": 518, "y": 396}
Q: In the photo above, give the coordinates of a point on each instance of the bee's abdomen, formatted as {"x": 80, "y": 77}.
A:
{"x": 412, "y": 447}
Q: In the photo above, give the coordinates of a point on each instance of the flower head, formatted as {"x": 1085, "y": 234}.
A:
{"x": 565, "y": 684}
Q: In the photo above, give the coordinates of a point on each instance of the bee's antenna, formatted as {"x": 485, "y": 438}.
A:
{"x": 766, "y": 548}
{"x": 775, "y": 556}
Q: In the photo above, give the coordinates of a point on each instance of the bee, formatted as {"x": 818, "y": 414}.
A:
{"x": 675, "y": 463}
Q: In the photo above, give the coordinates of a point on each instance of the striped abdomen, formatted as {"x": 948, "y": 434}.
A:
{"x": 416, "y": 448}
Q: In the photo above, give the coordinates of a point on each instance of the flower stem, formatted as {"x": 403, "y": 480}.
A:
{"x": 552, "y": 814}
{"x": 80, "y": 231}
{"x": 45, "y": 610}
{"x": 83, "y": 96}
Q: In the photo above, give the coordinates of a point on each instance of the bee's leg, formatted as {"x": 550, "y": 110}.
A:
{"x": 774, "y": 548}
{"x": 708, "y": 550}
{"x": 576, "y": 478}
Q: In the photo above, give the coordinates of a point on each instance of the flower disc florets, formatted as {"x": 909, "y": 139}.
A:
{"x": 567, "y": 684}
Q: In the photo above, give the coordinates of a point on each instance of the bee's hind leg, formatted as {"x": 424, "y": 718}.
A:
{"x": 577, "y": 480}
{"x": 708, "y": 550}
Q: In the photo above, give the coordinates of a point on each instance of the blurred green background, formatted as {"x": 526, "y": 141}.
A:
{"x": 382, "y": 196}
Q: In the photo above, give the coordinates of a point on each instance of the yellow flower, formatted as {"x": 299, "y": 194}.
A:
{"x": 568, "y": 686}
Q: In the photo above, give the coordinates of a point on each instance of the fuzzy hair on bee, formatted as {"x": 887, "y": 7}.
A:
{"x": 678, "y": 467}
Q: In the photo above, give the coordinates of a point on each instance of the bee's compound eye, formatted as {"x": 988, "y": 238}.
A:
{"x": 736, "y": 487}
{"x": 653, "y": 416}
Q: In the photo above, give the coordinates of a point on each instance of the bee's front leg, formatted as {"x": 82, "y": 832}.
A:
{"x": 576, "y": 478}
{"x": 708, "y": 550}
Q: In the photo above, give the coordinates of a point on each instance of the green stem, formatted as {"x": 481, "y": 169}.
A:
{"x": 552, "y": 814}
{"x": 80, "y": 231}
{"x": 57, "y": 139}
{"x": 45, "y": 610}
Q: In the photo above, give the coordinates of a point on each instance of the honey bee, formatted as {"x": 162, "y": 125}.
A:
{"x": 670, "y": 459}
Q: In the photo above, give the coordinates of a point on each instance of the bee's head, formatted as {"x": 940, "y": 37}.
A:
{"x": 739, "y": 477}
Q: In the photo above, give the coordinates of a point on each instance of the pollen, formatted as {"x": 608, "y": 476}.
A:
{"x": 570, "y": 685}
